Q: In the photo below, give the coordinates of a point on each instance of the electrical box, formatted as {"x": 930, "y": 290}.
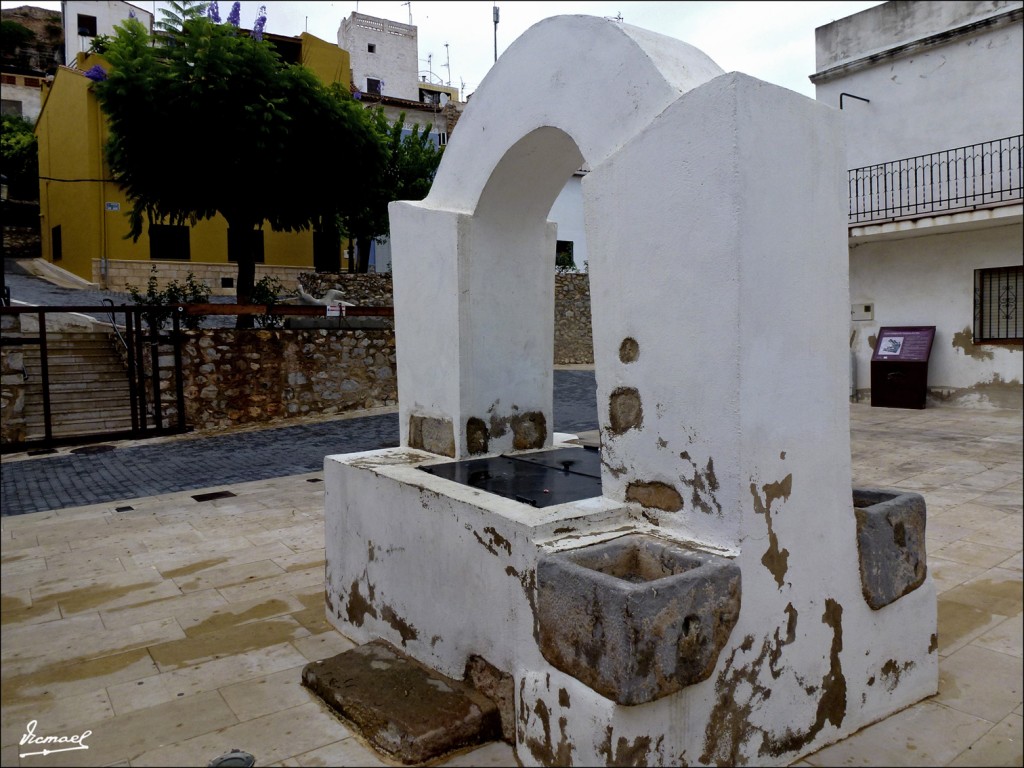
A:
{"x": 862, "y": 311}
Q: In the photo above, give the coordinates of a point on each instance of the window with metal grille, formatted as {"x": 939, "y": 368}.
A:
{"x": 373, "y": 85}
{"x": 997, "y": 304}
{"x": 169, "y": 242}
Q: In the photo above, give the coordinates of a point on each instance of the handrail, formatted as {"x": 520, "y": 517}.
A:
{"x": 113, "y": 324}
{"x": 970, "y": 177}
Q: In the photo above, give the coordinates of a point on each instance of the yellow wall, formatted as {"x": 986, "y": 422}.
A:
{"x": 72, "y": 132}
{"x": 328, "y": 62}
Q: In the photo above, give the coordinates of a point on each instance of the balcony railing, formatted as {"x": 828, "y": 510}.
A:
{"x": 968, "y": 177}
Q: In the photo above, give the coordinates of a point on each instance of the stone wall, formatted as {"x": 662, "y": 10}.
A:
{"x": 12, "y": 384}
{"x": 369, "y": 289}
{"x": 573, "y": 337}
{"x": 573, "y": 342}
{"x": 235, "y": 377}
{"x": 122, "y": 272}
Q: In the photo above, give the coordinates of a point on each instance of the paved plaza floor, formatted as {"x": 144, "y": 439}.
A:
{"x": 174, "y": 626}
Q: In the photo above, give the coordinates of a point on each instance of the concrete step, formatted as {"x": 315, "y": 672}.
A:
{"x": 98, "y": 407}
{"x": 405, "y": 710}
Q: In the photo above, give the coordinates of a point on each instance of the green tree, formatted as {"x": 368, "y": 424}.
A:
{"x": 206, "y": 119}
{"x": 19, "y": 158}
{"x": 410, "y": 163}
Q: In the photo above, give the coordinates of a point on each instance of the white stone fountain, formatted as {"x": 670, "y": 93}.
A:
{"x": 721, "y": 602}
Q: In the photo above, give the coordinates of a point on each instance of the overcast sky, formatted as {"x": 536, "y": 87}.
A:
{"x": 772, "y": 41}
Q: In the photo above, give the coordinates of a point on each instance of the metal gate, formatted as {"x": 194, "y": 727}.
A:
{"x": 152, "y": 359}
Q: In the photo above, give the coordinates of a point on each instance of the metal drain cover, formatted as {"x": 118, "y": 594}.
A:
{"x": 236, "y": 758}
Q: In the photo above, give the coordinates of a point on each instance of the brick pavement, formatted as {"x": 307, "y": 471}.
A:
{"x": 200, "y": 460}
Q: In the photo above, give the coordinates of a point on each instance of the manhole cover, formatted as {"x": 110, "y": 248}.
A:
{"x": 93, "y": 449}
{"x": 235, "y": 757}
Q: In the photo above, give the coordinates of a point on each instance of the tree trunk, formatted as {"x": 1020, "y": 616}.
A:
{"x": 363, "y": 254}
{"x": 242, "y": 254}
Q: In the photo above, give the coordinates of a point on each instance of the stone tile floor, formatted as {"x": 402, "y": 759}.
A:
{"x": 176, "y": 629}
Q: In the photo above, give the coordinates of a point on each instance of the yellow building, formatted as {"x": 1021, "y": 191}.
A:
{"x": 83, "y": 215}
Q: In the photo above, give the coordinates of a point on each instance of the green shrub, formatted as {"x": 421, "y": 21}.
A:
{"x": 266, "y": 291}
{"x": 192, "y": 292}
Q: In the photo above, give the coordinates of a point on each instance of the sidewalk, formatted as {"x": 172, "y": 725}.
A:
{"x": 174, "y": 627}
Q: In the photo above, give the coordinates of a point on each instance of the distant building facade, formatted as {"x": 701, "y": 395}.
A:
{"x": 932, "y": 97}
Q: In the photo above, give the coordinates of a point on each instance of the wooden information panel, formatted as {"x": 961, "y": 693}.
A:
{"x": 899, "y": 366}
{"x": 910, "y": 344}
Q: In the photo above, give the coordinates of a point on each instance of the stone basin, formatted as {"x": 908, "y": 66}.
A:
{"x": 890, "y": 543}
{"x": 638, "y": 617}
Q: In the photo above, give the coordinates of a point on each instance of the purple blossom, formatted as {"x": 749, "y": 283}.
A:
{"x": 131, "y": 14}
{"x": 236, "y": 14}
{"x": 213, "y": 12}
{"x": 96, "y": 73}
{"x": 260, "y": 23}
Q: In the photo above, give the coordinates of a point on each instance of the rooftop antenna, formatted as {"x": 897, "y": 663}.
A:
{"x": 409, "y": 3}
{"x": 495, "y": 30}
{"x": 448, "y": 64}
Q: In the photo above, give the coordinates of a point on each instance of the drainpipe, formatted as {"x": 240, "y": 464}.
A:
{"x": 104, "y": 268}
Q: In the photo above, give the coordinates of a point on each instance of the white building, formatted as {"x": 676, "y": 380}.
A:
{"x": 84, "y": 20}
{"x": 386, "y": 70}
{"x": 932, "y": 95}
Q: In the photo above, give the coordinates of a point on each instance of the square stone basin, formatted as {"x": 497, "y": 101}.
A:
{"x": 890, "y": 543}
{"x": 638, "y": 617}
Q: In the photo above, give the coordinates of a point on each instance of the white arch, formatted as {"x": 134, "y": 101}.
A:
{"x": 474, "y": 304}
{"x": 598, "y": 81}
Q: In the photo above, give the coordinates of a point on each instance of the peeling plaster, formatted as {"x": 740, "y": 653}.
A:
{"x": 406, "y": 630}
{"x": 629, "y": 350}
{"x": 774, "y": 559}
{"x": 625, "y": 410}
{"x": 495, "y": 540}
{"x": 703, "y": 486}
{"x": 892, "y": 670}
{"x": 629, "y": 753}
{"x": 739, "y": 694}
{"x": 964, "y": 341}
{"x": 358, "y": 606}
{"x": 655, "y": 494}
{"x": 545, "y": 752}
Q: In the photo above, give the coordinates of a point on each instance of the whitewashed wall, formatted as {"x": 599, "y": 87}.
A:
{"x": 567, "y": 213}
{"x": 969, "y": 89}
{"x": 394, "y": 62}
{"x": 108, "y": 15}
{"x": 927, "y": 281}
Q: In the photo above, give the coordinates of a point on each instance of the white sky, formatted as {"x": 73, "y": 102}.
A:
{"x": 772, "y": 41}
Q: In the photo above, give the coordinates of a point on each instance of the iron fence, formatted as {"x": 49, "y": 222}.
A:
{"x": 964, "y": 178}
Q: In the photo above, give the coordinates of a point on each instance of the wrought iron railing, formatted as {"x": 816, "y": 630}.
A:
{"x": 974, "y": 176}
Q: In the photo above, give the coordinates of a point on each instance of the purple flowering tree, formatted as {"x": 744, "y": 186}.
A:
{"x": 213, "y": 12}
{"x": 234, "y": 18}
{"x": 260, "y": 23}
{"x": 96, "y": 73}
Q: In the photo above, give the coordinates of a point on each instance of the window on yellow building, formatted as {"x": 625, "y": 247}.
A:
{"x": 169, "y": 242}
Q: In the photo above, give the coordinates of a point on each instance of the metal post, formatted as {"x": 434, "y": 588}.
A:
{"x": 495, "y": 32}
{"x": 44, "y": 366}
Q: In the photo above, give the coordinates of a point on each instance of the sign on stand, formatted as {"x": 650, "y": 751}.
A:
{"x": 899, "y": 366}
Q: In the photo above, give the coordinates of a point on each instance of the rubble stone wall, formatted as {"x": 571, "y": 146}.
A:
{"x": 235, "y": 377}
{"x": 573, "y": 342}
